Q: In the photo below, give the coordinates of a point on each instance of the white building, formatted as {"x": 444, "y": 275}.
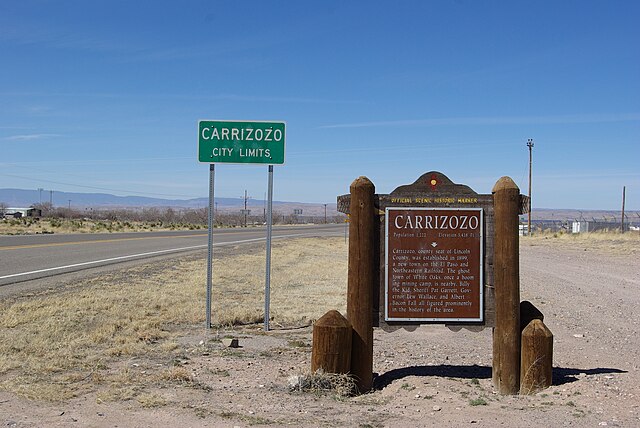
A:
{"x": 22, "y": 212}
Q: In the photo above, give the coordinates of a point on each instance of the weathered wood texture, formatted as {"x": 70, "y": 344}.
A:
{"x": 537, "y": 358}
{"x": 331, "y": 344}
{"x": 362, "y": 242}
{"x": 506, "y": 268}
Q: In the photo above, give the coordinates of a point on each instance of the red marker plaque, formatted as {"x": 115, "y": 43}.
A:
{"x": 433, "y": 264}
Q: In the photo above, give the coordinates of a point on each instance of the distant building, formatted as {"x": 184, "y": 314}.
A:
{"x": 580, "y": 227}
{"x": 13, "y": 212}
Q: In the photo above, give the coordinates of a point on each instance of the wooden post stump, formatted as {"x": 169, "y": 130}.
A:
{"x": 360, "y": 294}
{"x": 537, "y": 358}
{"x": 331, "y": 344}
{"x": 506, "y": 268}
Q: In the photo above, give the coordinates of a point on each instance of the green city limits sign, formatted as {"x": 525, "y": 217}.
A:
{"x": 241, "y": 142}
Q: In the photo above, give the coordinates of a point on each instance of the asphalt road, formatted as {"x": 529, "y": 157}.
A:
{"x": 28, "y": 258}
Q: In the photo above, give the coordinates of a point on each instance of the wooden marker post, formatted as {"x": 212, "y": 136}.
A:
{"x": 506, "y": 333}
{"x": 537, "y": 358}
{"x": 331, "y": 349}
{"x": 361, "y": 280}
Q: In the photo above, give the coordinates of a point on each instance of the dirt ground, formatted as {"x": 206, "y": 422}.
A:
{"x": 429, "y": 377}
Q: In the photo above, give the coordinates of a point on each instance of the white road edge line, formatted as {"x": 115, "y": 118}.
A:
{"x": 221, "y": 244}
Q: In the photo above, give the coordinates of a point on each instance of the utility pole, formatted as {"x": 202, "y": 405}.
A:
{"x": 624, "y": 188}
{"x": 530, "y": 145}
{"x": 246, "y": 198}
{"x": 40, "y": 189}
{"x": 50, "y": 199}
{"x": 325, "y": 213}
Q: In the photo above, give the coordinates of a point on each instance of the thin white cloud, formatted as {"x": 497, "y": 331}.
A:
{"x": 24, "y": 34}
{"x": 30, "y": 137}
{"x": 118, "y": 161}
{"x": 62, "y": 94}
{"x": 496, "y": 120}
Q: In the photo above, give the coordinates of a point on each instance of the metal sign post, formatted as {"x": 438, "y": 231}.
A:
{"x": 267, "y": 282}
{"x": 212, "y": 173}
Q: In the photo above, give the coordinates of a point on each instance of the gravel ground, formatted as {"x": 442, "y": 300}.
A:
{"x": 428, "y": 377}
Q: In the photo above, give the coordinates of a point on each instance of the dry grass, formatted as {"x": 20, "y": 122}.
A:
{"x": 308, "y": 278}
{"x": 150, "y": 400}
{"x": 341, "y": 385}
{"x": 32, "y": 226}
{"x": 609, "y": 242}
{"x": 55, "y": 346}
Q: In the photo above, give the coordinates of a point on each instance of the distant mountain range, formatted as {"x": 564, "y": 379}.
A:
{"x": 25, "y": 198}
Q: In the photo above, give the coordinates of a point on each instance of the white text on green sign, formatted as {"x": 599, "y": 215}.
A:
{"x": 241, "y": 142}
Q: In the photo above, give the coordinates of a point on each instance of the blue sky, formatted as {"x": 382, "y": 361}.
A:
{"x": 106, "y": 95}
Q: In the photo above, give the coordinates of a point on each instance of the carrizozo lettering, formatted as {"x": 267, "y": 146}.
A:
{"x": 241, "y": 134}
{"x": 442, "y": 222}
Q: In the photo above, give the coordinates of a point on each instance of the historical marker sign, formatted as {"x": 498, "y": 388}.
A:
{"x": 441, "y": 242}
{"x": 433, "y": 264}
{"x": 241, "y": 142}
{"x": 434, "y": 195}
